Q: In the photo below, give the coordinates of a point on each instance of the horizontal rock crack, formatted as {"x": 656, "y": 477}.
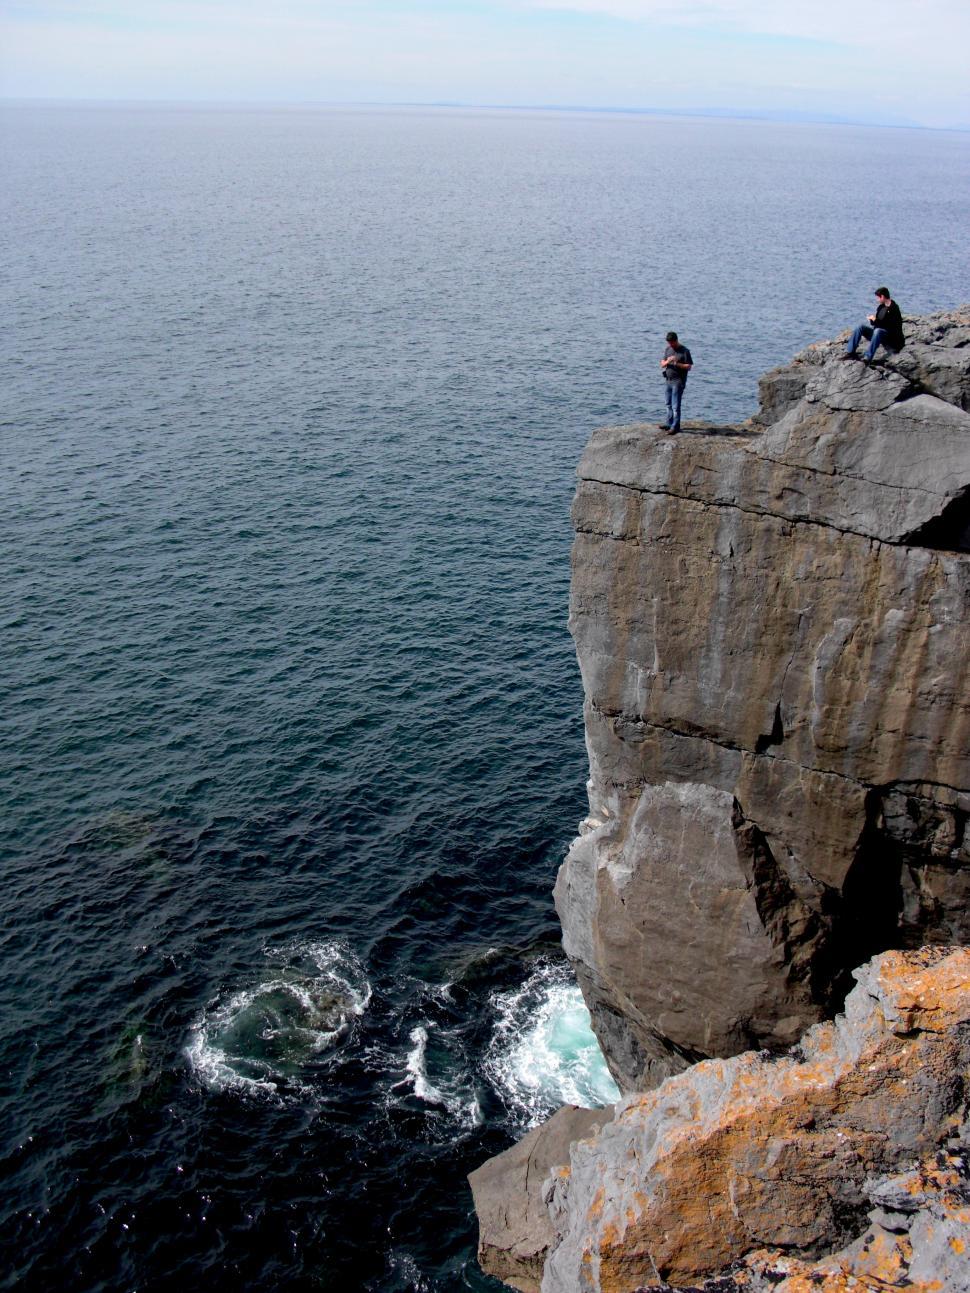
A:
{"x": 724, "y": 505}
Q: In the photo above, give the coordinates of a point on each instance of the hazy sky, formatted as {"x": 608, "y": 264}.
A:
{"x": 877, "y": 60}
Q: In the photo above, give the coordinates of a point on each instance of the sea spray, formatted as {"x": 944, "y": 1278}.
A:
{"x": 543, "y": 1053}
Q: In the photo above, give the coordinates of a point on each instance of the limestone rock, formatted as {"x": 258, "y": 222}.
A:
{"x": 690, "y": 880}
{"x": 773, "y": 627}
{"x": 514, "y": 1227}
{"x": 934, "y": 359}
{"x": 916, "y": 1238}
{"x": 842, "y": 1161}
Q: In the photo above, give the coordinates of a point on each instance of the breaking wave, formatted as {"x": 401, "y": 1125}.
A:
{"x": 432, "y": 1073}
{"x": 271, "y": 1037}
{"x": 543, "y": 1052}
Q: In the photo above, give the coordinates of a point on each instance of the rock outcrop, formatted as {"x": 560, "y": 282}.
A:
{"x": 738, "y": 1156}
{"x": 773, "y": 627}
{"x": 843, "y": 1164}
{"x": 773, "y": 631}
{"x": 515, "y": 1230}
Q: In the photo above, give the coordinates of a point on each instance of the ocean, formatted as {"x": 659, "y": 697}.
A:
{"x": 292, "y": 724}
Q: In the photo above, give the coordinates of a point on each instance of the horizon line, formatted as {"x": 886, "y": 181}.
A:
{"x": 779, "y": 115}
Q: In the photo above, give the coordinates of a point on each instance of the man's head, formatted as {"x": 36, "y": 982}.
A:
{"x": 671, "y": 338}
{"x": 882, "y": 294}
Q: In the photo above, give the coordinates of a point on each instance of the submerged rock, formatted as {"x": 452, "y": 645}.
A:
{"x": 773, "y": 631}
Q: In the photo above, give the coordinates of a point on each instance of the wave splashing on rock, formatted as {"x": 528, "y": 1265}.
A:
{"x": 543, "y": 1052}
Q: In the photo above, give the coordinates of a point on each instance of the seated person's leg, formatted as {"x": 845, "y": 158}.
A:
{"x": 878, "y": 339}
{"x": 863, "y": 330}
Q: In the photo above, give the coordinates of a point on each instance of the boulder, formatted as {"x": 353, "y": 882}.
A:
{"x": 515, "y": 1231}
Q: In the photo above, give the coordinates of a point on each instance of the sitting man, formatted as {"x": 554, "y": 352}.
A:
{"x": 675, "y": 364}
{"x": 885, "y": 328}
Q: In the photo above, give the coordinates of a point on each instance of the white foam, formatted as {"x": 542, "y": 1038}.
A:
{"x": 416, "y": 1066}
{"x": 260, "y": 1040}
{"x": 543, "y": 1053}
{"x": 404, "y": 1267}
{"x": 448, "y": 1094}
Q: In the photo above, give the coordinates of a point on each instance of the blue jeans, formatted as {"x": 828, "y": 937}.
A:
{"x": 675, "y": 393}
{"x": 878, "y": 338}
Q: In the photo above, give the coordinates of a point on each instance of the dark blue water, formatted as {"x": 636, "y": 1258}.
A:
{"x": 292, "y": 733}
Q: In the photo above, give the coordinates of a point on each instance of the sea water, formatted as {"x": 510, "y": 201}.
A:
{"x": 292, "y": 403}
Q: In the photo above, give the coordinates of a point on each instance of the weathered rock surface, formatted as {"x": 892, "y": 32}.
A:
{"x": 515, "y": 1231}
{"x": 773, "y": 628}
{"x": 916, "y": 1238}
{"x": 934, "y": 360}
{"x": 842, "y": 1161}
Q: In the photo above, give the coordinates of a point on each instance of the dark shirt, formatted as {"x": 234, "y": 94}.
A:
{"x": 682, "y": 355}
{"x": 890, "y": 318}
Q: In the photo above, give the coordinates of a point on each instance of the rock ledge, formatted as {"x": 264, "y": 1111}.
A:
{"x": 772, "y": 627}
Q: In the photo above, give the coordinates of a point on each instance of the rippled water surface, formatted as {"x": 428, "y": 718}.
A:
{"x": 292, "y": 402}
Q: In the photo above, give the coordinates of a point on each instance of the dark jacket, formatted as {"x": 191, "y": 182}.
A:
{"x": 889, "y": 317}
{"x": 682, "y": 355}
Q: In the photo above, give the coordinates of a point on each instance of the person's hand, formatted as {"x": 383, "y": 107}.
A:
{"x": 872, "y": 318}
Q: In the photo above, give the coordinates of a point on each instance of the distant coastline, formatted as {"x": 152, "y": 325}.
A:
{"x": 778, "y": 116}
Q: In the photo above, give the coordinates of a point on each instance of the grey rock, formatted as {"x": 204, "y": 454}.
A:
{"x": 934, "y": 360}
{"x": 691, "y": 887}
{"x": 513, "y": 1216}
{"x": 857, "y": 388}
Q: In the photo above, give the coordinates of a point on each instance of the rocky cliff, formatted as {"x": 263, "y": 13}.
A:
{"x": 773, "y": 626}
{"x": 773, "y": 631}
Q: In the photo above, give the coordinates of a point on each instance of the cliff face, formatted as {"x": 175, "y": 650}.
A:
{"x": 773, "y": 631}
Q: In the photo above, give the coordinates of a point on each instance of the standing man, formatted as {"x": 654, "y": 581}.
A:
{"x": 885, "y": 328}
{"x": 675, "y": 365}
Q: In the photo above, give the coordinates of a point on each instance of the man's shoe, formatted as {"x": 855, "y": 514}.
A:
{"x": 851, "y": 354}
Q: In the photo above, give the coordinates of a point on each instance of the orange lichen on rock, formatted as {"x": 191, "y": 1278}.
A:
{"x": 920, "y": 1249}
{"x": 778, "y": 1152}
{"x": 928, "y": 998}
